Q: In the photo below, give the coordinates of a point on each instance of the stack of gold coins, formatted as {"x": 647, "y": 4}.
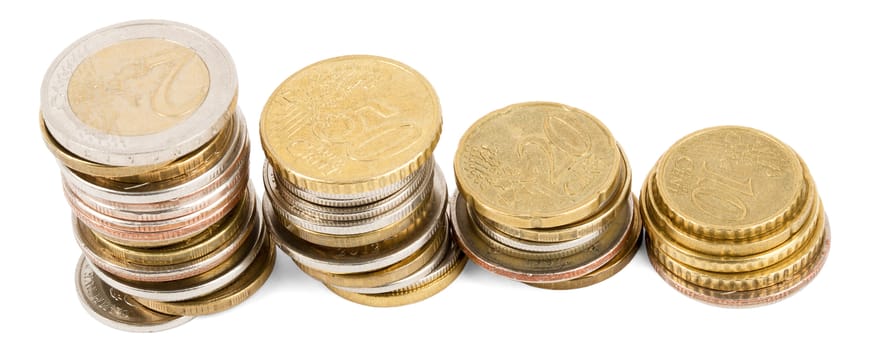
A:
{"x": 352, "y": 192}
{"x": 544, "y": 197}
{"x": 733, "y": 218}
{"x": 154, "y": 158}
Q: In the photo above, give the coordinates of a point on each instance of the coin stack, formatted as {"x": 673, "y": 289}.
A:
{"x": 353, "y": 194}
{"x": 154, "y": 158}
{"x": 733, "y": 218}
{"x": 544, "y": 197}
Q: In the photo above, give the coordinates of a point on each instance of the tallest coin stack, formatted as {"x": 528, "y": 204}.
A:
{"x": 154, "y": 158}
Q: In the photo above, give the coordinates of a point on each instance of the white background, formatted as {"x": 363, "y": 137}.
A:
{"x": 652, "y": 72}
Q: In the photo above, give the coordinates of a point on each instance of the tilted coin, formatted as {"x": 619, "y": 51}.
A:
{"x": 117, "y": 310}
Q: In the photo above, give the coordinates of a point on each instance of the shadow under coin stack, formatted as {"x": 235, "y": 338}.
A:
{"x": 733, "y": 218}
{"x": 154, "y": 158}
{"x": 352, "y": 192}
{"x": 545, "y": 197}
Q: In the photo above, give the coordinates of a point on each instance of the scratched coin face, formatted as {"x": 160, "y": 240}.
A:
{"x": 350, "y": 124}
{"x": 140, "y": 93}
{"x": 730, "y": 182}
{"x": 138, "y": 87}
{"x": 537, "y": 165}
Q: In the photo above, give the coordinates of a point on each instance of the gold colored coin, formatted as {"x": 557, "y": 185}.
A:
{"x": 537, "y": 165}
{"x": 750, "y": 280}
{"x": 729, "y": 182}
{"x": 408, "y": 295}
{"x": 593, "y": 225}
{"x": 748, "y": 298}
{"x": 110, "y": 93}
{"x": 350, "y": 124}
{"x": 729, "y": 248}
{"x": 229, "y": 296}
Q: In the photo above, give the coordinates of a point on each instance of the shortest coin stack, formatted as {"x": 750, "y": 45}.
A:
{"x": 733, "y": 218}
{"x": 545, "y": 197}
{"x": 154, "y": 159}
{"x": 352, "y": 192}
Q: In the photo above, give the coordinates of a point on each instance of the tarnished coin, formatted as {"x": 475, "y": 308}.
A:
{"x": 139, "y": 93}
{"x": 729, "y": 182}
{"x": 118, "y": 310}
{"x": 350, "y": 124}
{"x": 537, "y": 165}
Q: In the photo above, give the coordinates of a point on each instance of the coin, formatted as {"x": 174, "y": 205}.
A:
{"x": 350, "y": 124}
{"x": 139, "y": 93}
{"x": 729, "y": 182}
{"x": 733, "y": 218}
{"x": 116, "y": 309}
{"x": 537, "y": 165}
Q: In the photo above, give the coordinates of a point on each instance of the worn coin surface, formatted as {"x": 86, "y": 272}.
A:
{"x": 537, "y": 165}
{"x": 350, "y": 124}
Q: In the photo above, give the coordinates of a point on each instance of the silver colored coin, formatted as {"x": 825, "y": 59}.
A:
{"x": 183, "y": 137}
{"x": 348, "y": 200}
{"x": 361, "y": 259}
{"x": 292, "y": 214}
{"x": 117, "y": 310}
{"x": 345, "y": 214}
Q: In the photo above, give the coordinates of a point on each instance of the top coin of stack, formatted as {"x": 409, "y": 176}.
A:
{"x": 545, "y": 196}
{"x": 733, "y": 218}
{"x": 154, "y": 157}
{"x": 352, "y": 191}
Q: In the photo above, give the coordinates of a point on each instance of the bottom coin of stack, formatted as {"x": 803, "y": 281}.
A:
{"x": 575, "y": 226}
{"x": 389, "y": 247}
{"x": 733, "y": 218}
{"x": 177, "y": 241}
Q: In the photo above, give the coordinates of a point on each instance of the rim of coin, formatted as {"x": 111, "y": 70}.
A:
{"x": 290, "y": 213}
{"x": 148, "y": 195}
{"x": 99, "y": 146}
{"x": 412, "y": 279}
{"x": 372, "y": 279}
{"x": 195, "y": 286}
{"x": 493, "y": 258}
{"x": 360, "y": 213}
{"x": 241, "y": 289}
{"x": 496, "y": 160}
{"x": 744, "y": 281}
{"x": 732, "y": 248}
{"x": 752, "y": 298}
{"x": 117, "y": 310}
{"x": 610, "y": 269}
{"x": 322, "y": 108}
{"x": 198, "y": 246}
{"x": 729, "y": 182}
{"x": 431, "y": 285}
{"x": 360, "y": 259}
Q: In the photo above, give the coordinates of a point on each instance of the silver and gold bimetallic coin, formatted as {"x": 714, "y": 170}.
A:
{"x": 154, "y": 158}
{"x": 733, "y": 218}
{"x": 353, "y": 194}
{"x": 544, "y": 197}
